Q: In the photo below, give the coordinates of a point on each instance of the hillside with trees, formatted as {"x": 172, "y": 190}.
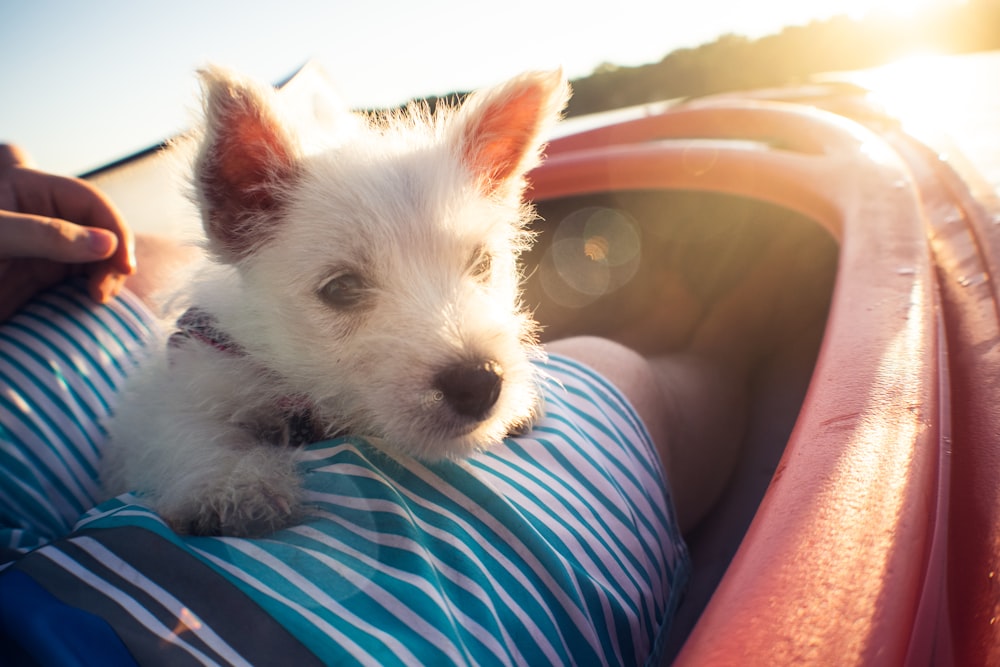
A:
{"x": 733, "y": 62}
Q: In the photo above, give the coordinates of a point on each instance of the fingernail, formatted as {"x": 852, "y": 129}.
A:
{"x": 101, "y": 243}
{"x": 131, "y": 257}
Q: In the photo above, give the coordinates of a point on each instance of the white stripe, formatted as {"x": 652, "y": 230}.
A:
{"x": 609, "y": 493}
{"x": 72, "y": 477}
{"x": 599, "y": 389}
{"x": 20, "y": 540}
{"x": 576, "y": 537}
{"x": 126, "y": 602}
{"x": 330, "y": 632}
{"x": 393, "y": 605}
{"x": 628, "y": 478}
{"x": 313, "y": 454}
{"x": 644, "y": 484}
{"x": 644, "y": 489}
{"x": 404, "y": 543}
{"x": 85, "y": 355}
{"x": 98, "y": 322}
{"x": 639, "y": 489}
{"x": 42, "y": 516}
{"x": 386, "y": 540}
{"x": 619, "y": 580}
{"x": 585, "y": 520}
{"x": 129, "y": 319}
{"x": 311, "y": 590}
{"x": 579, "y": 617}
{"x": 166, "y": 600}
{"x": 36, "y": 382}
{"x": 77, "y": 388}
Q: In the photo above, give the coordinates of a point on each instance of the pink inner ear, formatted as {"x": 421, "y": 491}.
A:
{"x": 248, "y": 159}
{"x": 249, "y": 154}
{"x": 504, "y": 133}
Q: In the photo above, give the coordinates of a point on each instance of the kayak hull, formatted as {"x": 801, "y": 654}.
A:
{"x": 878, "y": 537}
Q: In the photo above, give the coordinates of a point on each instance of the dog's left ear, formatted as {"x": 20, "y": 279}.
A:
{"x": 247, "y": 160}
{"x": 501, "y": 129}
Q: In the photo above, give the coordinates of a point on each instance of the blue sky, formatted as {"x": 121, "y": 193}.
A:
{"x": 87, "y": 82}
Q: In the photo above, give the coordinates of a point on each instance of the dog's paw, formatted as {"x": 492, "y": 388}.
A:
{"x": 257, "y": 513}
{"x": 250, "y": 501}
{"x": 257, "y": 517}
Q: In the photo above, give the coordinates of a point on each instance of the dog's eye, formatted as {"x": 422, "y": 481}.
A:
{"x": 344, "y": 291}
{"x": 481, "y": 265}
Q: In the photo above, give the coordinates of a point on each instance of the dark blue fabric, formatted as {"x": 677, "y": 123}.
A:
{"x": 37, "y": 629}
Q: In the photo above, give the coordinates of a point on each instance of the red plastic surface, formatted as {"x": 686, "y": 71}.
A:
{"x": 878, "y": 540}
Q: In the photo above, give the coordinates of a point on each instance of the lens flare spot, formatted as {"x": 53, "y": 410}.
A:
{"x": 595, "y": 251}
{"x": 596, "y": 248}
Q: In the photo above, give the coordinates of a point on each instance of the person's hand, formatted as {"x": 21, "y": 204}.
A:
{"x": 52, "y": 227}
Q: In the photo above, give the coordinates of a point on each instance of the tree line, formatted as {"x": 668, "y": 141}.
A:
{"x": 733, "y": 62}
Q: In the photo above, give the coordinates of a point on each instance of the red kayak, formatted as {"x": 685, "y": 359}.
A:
{"x": 863, "y": 525}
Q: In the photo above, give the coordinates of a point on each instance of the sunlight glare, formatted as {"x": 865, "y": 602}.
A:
{"x": 913, "y": 90}
{"x": 860, "y": 9}
{"x": 902, "y": 8}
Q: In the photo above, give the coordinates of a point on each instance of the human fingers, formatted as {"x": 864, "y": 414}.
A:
{"x": 104, "y": 282}
{"x": 100, "y": 212}
{"x": 25, "y": 235}
{"x": 77, "y": 201}
{"x": 12, "y": 155}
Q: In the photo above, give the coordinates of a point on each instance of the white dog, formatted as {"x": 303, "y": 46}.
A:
{"x": 369, "y": 288}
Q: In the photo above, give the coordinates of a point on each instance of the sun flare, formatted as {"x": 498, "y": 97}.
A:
{"x": 903, "y": 8}
{"x": 913, "y": 89}
{"x": 858, "y": 9}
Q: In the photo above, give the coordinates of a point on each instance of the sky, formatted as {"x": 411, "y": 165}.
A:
{"x": 85, "y": 83}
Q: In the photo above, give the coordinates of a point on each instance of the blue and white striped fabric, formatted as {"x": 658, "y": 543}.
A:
{"x": 62, "y": 361}
{"x": 555, "y": 548}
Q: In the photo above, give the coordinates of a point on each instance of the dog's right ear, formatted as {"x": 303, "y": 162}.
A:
{"x": 246, "y": 161}
{"x": 502, "y": 129}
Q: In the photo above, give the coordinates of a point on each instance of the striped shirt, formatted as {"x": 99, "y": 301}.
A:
{"x": 558, "y": 547}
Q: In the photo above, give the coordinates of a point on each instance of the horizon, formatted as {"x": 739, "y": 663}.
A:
{"x": 98, "y": 83}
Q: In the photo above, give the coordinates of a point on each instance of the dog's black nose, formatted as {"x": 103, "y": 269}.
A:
{"x": 471, "y": 389}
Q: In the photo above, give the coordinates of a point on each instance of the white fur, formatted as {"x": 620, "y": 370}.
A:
{"x": 407, "y": 203}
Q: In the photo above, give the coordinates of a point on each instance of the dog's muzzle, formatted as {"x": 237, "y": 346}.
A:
{"x": 470, "y": 389}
